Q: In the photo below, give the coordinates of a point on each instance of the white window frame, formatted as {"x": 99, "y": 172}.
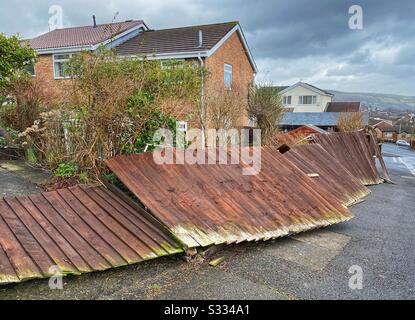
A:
{"x": 227, "y": 70}
{"x": 287, "y": 100}
{"x": 313, "y": 100}
{"x": 55, "y": 59}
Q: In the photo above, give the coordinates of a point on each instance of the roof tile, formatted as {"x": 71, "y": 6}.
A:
{"x": 81, "y": 36}
{"x": 343, "y": 107}
{"x": 176, "y": 40}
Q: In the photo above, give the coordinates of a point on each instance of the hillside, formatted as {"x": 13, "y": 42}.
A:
{"x": 377, "y": 100}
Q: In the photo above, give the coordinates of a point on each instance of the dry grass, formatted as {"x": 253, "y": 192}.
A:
{"x": 350, "y": 122}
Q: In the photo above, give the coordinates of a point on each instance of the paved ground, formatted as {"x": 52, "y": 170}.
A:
{"x": 310, "y": 266}
{"x": 11, "y": 183}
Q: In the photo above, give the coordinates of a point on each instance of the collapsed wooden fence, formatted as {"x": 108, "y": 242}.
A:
{"x": 80, "y": 230}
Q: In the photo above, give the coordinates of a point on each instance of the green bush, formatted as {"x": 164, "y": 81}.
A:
{"x": 66, "y": 170}
{"x": 3, "y": 142}
{"x": 14, "y": 58}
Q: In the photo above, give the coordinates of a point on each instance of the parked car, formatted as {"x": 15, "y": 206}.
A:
{"x": 403, "y": 143}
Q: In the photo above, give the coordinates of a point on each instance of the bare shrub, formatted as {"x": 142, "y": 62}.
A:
{"x": 350, "y": 121}
{"x": 265, "y": 107}
{"x": 30, "y": 96}
{"x": 225, "y": 109}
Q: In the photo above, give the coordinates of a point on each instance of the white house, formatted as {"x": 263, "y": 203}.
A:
{"x": 303, "y": 97}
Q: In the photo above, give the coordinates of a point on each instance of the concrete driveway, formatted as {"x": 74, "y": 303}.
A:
{"x": 315, "y": 265}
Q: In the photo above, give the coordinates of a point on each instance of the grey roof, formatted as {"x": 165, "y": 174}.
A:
{"x": 325, "y": 91}
{"x": 323, "y": 119}
{"x": 183, "y": 39}
{"x": 280, "y": 88}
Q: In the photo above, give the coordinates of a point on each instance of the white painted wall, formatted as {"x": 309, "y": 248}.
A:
{"x": 295, "y": 93}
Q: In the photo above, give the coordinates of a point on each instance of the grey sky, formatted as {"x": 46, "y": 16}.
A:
{"x": 291, "y": 40}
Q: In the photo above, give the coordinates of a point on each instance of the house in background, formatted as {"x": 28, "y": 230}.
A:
{"x": 221, "y": 48}
{"x": 303, "y": 97}
{"x": 307, "y": 105}
{"x": 386, "y": 131}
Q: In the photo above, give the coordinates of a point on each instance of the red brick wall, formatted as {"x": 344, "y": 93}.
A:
{"x": 231, "y": 52}
{"x": 44, "y": 72}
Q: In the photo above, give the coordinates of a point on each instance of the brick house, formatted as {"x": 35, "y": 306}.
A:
{"x": 221, "y": 48}
{"x": 386, "y": 131}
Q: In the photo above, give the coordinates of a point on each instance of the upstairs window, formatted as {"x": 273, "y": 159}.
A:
{"x": 286, "y": 100}
{"x": 59, "y": 65}
{"x": 227, "y": 77}
{"x": 308, "y": 99}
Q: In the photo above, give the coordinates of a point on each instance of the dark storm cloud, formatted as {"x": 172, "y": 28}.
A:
{"x": 291, "y": 40}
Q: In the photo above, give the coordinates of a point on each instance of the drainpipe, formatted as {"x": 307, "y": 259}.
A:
{"x": 202, "y": 102}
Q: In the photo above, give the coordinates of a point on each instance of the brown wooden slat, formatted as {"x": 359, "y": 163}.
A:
{"x": 128, "y": 224}
{"x": 212, "y": 204}
{"x": 56, "y": 237}
{"x": 48, "y": 255}
{"x": 352, "y": 150}
{"x": 7, "y": 272}
{"x": 333, "y": 176}
{"x": 79, "y": 230}
{"x": 23, "y": 265}
{"x": 24, "y": 236}
{"x": 54, "y": 211}
{"x": 124, "y": 242}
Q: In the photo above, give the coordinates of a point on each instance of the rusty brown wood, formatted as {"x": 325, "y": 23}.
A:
{"x": 78, "y": 230}
{"x": 333, "y": 177}
{"x": 353, "y": 151}
{"x": 216, "y": 204}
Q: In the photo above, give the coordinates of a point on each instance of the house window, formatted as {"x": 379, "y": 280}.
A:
{"x": 30, "y": 68}
{"x": 227, "y": 78}
{"x": 308, "y": 99}
{"x": 286, "y": 100}
{"x": 171, "y": 64}
{"x": 59, "y": 65}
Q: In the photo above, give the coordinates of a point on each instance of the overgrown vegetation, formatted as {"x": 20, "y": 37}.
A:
{"x": 266, "y": 109}
{"x": 112, "y": 107}
{"x": 28, "y": 97}
{"x": 14, "y": 59}
{"x": 225, "y": 109}
{"x": 350, "y": 121}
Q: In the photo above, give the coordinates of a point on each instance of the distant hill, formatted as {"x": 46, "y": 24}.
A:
{"x": 377, "y": 100}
